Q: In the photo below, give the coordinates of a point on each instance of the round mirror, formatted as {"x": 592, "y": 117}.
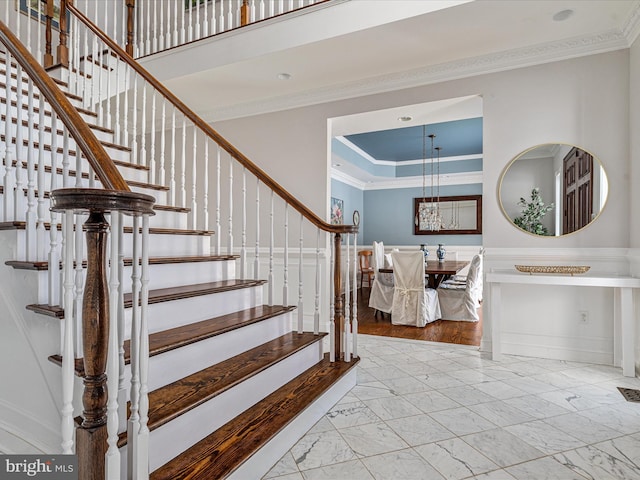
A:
{"x": 553, "y": 189}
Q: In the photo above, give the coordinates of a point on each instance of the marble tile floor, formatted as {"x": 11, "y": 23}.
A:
{"x": 430, "y": 411}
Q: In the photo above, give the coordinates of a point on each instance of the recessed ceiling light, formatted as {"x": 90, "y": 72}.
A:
{"x": 562, "y": 15}
{"x": 405, "y": 118}
{"x": 337, "y": 165}
{"x": 284, "y": 76}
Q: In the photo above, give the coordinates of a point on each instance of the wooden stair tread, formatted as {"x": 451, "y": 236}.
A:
{"x": 36, "y": 94}
{"x": 36, "y": 109}
{"x": 164, "y": 294}
{"x": 172, "y": 400}
{"x": 44, "y": 265}
{"x": 36, "y": 126}
{"x": 188, "y": 291}
{"x": 135, "y": 183}
{"x": 167, "y": 340}
{"x": 219, "y": 454}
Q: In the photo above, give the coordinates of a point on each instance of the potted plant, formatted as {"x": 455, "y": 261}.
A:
{"x": 532, "y": 212}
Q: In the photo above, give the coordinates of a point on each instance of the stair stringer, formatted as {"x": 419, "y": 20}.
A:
{"x": 31, "y": 391}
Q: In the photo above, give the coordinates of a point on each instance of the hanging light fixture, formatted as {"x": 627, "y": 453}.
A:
{"x": 428, "y": 216}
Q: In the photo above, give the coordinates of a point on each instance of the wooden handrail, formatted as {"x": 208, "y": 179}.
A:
{"x": 212, "y": 133}
{"x": 87, "y": 142}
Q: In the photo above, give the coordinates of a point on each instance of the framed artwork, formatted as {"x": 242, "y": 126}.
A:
{"x": 37, "y": 9}
{"x": 337, "y": 211}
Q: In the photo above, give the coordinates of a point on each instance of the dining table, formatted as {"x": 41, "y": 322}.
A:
{"x": 437, "y": 271}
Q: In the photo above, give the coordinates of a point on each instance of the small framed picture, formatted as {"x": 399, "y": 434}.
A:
{"x": 337, "y": 211}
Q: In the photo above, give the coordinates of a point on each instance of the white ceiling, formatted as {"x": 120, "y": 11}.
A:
{"x": 385, "y": 51}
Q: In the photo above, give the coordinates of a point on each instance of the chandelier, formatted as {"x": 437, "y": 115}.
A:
{"x": 428, "y": 216}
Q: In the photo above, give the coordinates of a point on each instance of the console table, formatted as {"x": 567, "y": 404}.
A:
{"x": 623, "y": 305}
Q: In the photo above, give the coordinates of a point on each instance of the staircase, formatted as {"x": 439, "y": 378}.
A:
{"x": 229, "y": 384}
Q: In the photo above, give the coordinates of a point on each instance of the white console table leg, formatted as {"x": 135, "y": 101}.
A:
{"x": 496, "y": 303}
{"x": 627, "y": 327}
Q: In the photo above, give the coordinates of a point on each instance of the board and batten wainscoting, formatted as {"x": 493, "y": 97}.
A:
{"x": 566, "y": 318}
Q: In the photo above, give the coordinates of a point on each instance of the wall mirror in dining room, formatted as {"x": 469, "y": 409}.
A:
{"x": 553, "y": 189}
{"x": 459, "y": 215}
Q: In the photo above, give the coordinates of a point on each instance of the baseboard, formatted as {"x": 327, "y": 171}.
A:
{"x": 21, "y": 434}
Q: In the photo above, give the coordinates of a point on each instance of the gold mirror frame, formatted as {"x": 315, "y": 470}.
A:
{"x": 565, "y": 175}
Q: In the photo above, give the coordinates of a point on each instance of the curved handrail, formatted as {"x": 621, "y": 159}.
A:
{"x": 211, "y": 132}
{"x": 87, "y": 142}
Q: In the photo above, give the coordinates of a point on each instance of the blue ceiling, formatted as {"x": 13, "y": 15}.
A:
{"x": 459, "y": 137}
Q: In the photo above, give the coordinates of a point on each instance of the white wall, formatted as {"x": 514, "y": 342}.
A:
{"x": 582, "y": 101}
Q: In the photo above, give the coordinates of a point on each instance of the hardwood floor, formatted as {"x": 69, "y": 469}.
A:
{"x": 462, "y": 333}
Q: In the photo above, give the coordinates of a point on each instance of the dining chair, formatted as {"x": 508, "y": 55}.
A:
{"x": 364, "y": 263}
{"x": 413, "y": 304}
{"x": 460, "y": 300}
{"x": 381, "y": 294}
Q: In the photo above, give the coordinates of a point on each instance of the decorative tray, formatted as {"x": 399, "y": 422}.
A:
{"x": 570, "y": 269}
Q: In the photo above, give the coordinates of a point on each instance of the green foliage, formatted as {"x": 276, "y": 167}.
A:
{"x": 532, "y": 213}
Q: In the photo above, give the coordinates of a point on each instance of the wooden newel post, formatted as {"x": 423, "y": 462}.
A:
{"x": 63, "y": 49}
{"x": 92, "y": 433}
{"x": 131, "y": 4}
{"x": 48, "y": 57}
{"x": 338, "y": 302}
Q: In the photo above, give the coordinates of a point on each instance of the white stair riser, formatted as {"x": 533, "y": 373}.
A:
{"x": 99, "y": 133}
{"x": 175, "y": 364}
{"x": 90, "y": 119}
{"x": 84, "y": 181}
{"x": 25, "y": 94}
{"x": 161, "y": 196}
{"x": 160, "y": 276}
{"x": 162, "y": 245}
{"x": 261, "y": 462}
{"x": 176, "y": 436}
{"x": 175, "y": 313}
{"x": 165, "y": 219}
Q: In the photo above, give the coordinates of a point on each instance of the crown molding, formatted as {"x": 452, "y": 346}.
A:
{"x": 490, "y": 63}
{"x": 464, "y": 178}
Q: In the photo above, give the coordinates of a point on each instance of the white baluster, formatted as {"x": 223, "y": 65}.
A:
{"x": 176, "y": 30}
{"x": 256, "y": 261}
{"x": 66, "y": 161}
{"x": 10, "y": 151}
{"x": 143, "y": 437}
{"x": 205, "y": 196}
{"x": 41, "y": 188}
{"x": 54, "y": 257}
{"x": 316, "y": 312}
{"x": 183, "y": 31}
{"x": 18, "y": 193}
{"x": 285, "y": 284}
{"x": 172, "y": 164}
{"x": 198, "y": 32}
{"x": 301, "y": 278}
{"x": 68, "y": 357}
{"x": 152, "y": 142}
{"x": 122, "y": 387}
{"x": 31, "y": 181}
{"x": 214, "y": 21}
{"x": 183, "y": 160}
{"x": 78, "y": 253}
{"x": 124, "y": 137}
{"x": 133, "y": 426}
{"x": 161, "y": 27}
{"x": 112, "y": 459}
{"x": 205, "y": 21}
{"x": 190, "y": 30}
{"x": 194, "y": 178}
{"x": 147, "y": 31}
{"x": 243, "y": 247}
{"x": 142, "y": 159}
{"x": 230, "y": 240}
{"x": 154, "y": 43}
{"x": 332, "y": 313}
{"x": 117, "y": 127}
{"x": 161, "y": 172}
{"x": 218, "y": 212}
{"x": 270, "y": 277}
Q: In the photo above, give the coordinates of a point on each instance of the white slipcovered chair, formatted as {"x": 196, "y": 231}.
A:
{"x": 460, "y": 300}
{"x": 413, "y": 304}
{"x": 381, "y": 295}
